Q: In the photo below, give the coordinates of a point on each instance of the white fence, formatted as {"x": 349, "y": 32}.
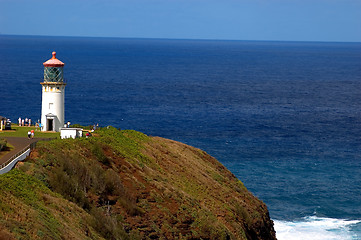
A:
{"x": 20, "y": 156}
{"x": 8, "y": 165}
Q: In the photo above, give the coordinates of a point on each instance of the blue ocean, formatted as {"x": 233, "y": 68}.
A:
{"x": 284, "y": 117}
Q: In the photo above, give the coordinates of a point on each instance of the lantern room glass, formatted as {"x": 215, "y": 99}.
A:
{"x": 53, "y": 74}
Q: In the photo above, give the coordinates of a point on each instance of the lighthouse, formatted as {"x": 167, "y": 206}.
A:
{"x": 53, "y": 91}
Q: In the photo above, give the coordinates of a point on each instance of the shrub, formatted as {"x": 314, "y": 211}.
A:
{"x": 99, "y": 154}
{"x": 107, "y": 225}
{"x": 113, "y": 184}
{"x": 206, "y": 226}
{"x": 242, "y": 214}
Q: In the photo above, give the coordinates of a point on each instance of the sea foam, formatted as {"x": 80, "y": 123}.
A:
{"x": 316, "y": 228}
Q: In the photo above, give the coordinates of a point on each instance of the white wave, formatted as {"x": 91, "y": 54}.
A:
{"x": 316, "y": 228}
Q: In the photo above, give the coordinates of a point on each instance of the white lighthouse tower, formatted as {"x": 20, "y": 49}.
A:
{"x": 52, "y": 108}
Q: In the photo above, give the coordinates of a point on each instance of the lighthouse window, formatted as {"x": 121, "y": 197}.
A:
{"x": 53, "y": 74}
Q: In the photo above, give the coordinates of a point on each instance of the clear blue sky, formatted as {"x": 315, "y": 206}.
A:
{"x": 295, "y": 20}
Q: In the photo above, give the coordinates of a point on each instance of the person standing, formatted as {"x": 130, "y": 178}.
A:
{"x": 19, "y": 121}
{"x": 32, "y": 133}
{"x": 29, "y": 134}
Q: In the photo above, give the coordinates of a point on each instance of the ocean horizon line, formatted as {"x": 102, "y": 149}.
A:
{"x": 182, "y": 39}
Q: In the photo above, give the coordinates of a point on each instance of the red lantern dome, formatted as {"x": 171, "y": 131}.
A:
{"x": 53, "y": 62}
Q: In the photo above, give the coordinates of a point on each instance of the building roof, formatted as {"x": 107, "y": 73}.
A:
{"x": 50, "y": 115}
{"x": 53, "y": 62}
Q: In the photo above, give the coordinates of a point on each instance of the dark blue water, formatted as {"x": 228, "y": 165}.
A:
{"x": 284, "y": 117}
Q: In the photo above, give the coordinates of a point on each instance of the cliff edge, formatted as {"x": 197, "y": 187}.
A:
{"x": 126, "y": 185}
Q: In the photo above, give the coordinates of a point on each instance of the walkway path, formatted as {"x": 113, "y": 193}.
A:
{"x": 19, "y": 144}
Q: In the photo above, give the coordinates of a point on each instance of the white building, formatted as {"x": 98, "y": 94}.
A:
{"x": 71, "y": 133}
{"x": 53, "y": 91}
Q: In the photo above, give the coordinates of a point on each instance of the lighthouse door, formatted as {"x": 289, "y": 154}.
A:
{"x": 50, "y": 125}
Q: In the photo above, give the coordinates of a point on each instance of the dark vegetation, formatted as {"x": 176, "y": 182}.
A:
{"x": 2, "y": 144}
{"x": 126, "y": 185}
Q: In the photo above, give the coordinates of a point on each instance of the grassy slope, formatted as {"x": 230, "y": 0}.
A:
{"x": 128, "y": 185}
{"x": 29, "y": 210}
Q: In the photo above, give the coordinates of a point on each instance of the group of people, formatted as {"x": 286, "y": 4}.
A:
{"x": 24, "y": 122}
{"x": 31, "y": 134}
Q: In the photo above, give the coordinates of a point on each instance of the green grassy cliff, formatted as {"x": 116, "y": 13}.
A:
{"x": 126, "y": 185}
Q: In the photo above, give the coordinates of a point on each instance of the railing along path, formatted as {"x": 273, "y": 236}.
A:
{"x": 31, "y": 146}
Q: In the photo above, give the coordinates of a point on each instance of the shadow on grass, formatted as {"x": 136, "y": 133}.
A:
{"x": 8, "y": 148}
